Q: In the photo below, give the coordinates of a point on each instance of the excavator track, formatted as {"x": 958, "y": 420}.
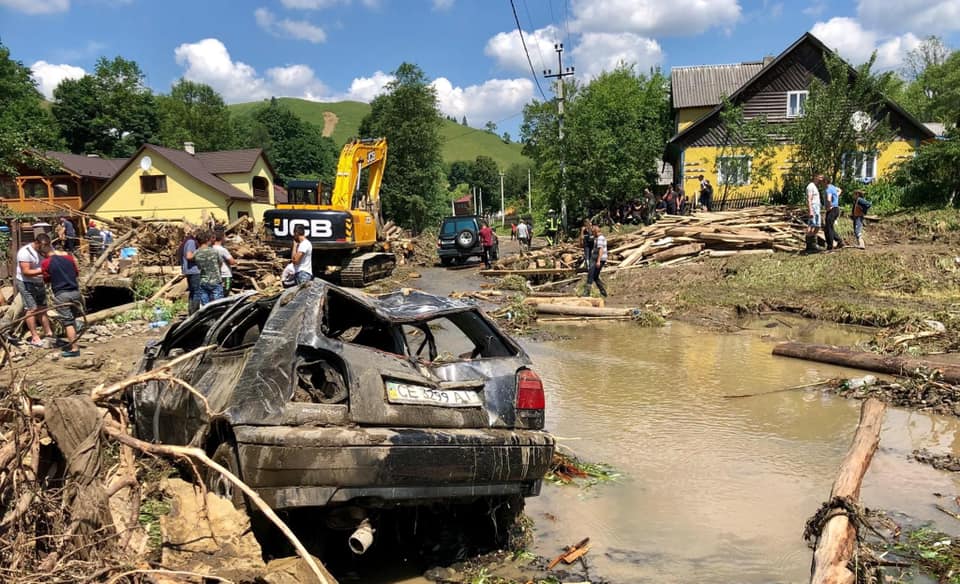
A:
{"x": 366, "y": 268}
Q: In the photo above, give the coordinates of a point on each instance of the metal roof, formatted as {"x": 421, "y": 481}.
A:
{"x": 87, "y": 166}
{"x": 229, "y": 161}
{"x": 705, "y": 85}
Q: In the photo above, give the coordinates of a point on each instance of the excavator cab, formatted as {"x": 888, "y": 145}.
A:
{"x": 342, "y": 221}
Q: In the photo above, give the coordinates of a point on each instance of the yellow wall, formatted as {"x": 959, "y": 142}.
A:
{"x": 687, "y": 116}
{"x": 703, "y": 160}
{"x": 244, "y": 180}
{"x": 186, "y": 197}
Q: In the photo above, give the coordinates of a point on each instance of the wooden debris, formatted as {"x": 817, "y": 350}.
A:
{"x": 894, "y": 365}
{"x": 570, "y": 310}
{"x": 565, "y": 300}
{"x": 571, "y": 553}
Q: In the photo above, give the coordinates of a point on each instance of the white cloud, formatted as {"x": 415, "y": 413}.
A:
{"x": 507, "y": 48}
{"x": 49, "y": 75}
{"x": 929, "y": 16}
{"x": 366, "y": 88}
{"x": 654, "y": 17}
{"x": 600, "y": 51}
{"x": 442, "y": 4}
{"x": 297, "y": 81}
{"x": 493, "y": 100}
{"x": 324, "y": 4}
{"x": 286, "y": 28}
{"x": 816, "y": 8}
{"x": 208, "y": 61}
{"x": 37, "y": 6}
{"x": 856, "y": 44}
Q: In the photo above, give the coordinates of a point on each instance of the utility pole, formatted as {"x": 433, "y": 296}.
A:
{"x": 529, "y": 194}
{"x": 481, "y": 201}
{"x": 503, "y": 215}
{"x": 474, "y": 191}
{"x": 559, "y": 75}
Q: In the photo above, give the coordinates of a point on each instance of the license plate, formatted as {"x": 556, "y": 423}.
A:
{"x": 404, "y": 393}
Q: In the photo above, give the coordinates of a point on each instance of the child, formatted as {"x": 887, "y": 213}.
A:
{"x": 860, "y": 208}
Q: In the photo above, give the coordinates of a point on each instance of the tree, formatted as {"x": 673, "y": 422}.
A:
{"x": 842, "y": 117}
{"x": 490, "y": 127}
{"x": 931, "y": 52}
{"x": 748, "y": 149}
{"x": 111, "y": 112}
{"x": 463, "y": 122}
{"x": 408, "y": 117}
{"x": 931, "y": 177}
{"x": 194, "y": 112}
{"x": 931, "y": 92}
{"x": 485, "y": 175}
{"x": 515, "y": 183}
{"x": 506, "y": 137}
{"x": 539, "y": 135}
{"x": 459, "y": 173}
{"x": 295, "y": 148}
{"x": 25, "y": 126}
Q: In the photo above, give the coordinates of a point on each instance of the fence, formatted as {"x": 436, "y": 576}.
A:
{"x": 732, "y": 204}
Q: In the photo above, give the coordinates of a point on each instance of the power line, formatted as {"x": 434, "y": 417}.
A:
{"x": 526, "y": 7}
{"x": 566, "y": 19}
{"x": 524, "y": 43}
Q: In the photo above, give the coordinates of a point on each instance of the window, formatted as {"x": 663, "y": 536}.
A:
{"x": 35, "y": 189}
{"x": 795, "y": 103}
{"x": 860, "y": 166}
{"x": 261, "y": 189}
{"x": 156, "y": 183}
{"x": 733, "y": 170}
{"x": 8, "y": 188}
{"x": 452, "y": 227}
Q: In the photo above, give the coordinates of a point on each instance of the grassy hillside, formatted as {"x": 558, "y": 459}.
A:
{"x": 459, "y": 142}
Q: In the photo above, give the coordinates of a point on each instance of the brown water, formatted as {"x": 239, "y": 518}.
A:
{"x": 714, "y": 489}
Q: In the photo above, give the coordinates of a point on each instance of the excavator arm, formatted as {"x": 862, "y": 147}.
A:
{"x": 357, "y": 156}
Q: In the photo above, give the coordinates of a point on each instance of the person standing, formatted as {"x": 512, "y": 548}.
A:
{"x": 208, "y": 261}
{"x": 586, "y": 243}
{"x": 813, "y": 213}
{"x": 486, "y": 241}
{"x": 706, "y": 194}
{"x": 552, "y": 227}
{"x": 513, "y": 231}
{"x": 29, "y": 283}
{"x": 833, "y": 213}
{"x": 523, "y": 235}
{"x": 69, "y": 234}
{"x": 61, "y": 271}
{"x": 670, "y": 201}
{"x": 302, "y": 255}
{"x": 94, "y": 240}
{"x": 598, "y": 260}
{"x": 860, "y": 208}
{"x": 226, "y": 274}
{"x": 188, "y": 248}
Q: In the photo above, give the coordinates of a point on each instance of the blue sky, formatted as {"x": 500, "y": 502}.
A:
{"x": 329, "y": 50}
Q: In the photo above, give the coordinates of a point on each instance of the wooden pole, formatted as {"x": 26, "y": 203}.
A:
{"x": 863, "y": 360}
{"x": 582, "y": 310}
{"x": 838, "y": 537}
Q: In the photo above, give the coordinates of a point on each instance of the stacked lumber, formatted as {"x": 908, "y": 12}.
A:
{"x": 673, "y": 240}
{"x": 398, "y": 240}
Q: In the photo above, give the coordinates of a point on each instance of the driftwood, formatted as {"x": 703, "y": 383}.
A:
{"x": 582, "y": 310}
{"x": 837, "y": 541}
{"x": 565, "y": 300}
{"x": 862, "y": 360}
{"x": 110, "y": 312}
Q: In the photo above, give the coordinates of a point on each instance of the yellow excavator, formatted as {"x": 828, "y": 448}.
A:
{"x": 342, "y": 223}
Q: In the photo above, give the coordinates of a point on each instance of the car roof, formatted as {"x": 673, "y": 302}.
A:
{"x": 406, "y": 305}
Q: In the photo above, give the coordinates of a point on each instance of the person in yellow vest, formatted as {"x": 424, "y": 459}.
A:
{"x": 552, "y": 227}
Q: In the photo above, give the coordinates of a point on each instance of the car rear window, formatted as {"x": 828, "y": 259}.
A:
{"x": 454, "y": 337}
{"x": 452, "y": 227}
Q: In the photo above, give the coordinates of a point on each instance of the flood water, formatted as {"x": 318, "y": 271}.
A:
{"x": 714, "y": 489}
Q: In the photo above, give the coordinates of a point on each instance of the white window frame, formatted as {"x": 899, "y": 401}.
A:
{"x": 720, "y": 176}
{"x": 801, "y": 103}
{"x": 865, "y": 160}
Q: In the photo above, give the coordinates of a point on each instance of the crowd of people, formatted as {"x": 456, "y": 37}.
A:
{"x": 817, "y": 219}
{"x": 205, "y": 263}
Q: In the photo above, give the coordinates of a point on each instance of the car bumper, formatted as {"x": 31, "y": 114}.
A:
{"x": 309, "y": 467}
{"x": 456, "y": 252}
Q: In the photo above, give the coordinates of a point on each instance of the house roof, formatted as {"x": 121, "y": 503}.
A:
{"x": 705, "y": 85}
{"x": 229, "y": 161}
{"x": 464, "y": 199}
{"x": 936, "y": 127}
{"x": 87, "y": 166}
{"x": 769, "y": 66}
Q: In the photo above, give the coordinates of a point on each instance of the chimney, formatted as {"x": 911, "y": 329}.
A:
{"x": 188, "y": 148}
{"x": 767, "y": 60}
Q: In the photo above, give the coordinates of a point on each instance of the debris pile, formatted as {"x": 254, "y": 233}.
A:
{"x": 674, "y": 239}
{"x": 921, "y": 391}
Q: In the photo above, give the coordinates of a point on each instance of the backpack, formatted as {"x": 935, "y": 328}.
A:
{"x": 864, "y": 204}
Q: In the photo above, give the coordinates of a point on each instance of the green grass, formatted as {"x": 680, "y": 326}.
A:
{"x": 459, "y": 142}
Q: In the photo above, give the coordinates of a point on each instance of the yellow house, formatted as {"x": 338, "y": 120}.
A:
{"x": 165, "y": 183}
{"x": 776, "y": 88}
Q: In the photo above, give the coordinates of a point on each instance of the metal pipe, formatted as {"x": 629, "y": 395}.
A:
{"x": 361, "y": 539}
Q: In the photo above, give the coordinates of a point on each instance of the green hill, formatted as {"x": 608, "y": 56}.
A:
{"x": 459, "y": 142}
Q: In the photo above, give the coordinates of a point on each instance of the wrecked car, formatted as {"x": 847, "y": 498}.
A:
{"x": 325, "y": 396}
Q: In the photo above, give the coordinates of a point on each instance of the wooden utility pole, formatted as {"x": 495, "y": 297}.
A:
{"x": 559, "y": 75}
{"x": 529, "y": 194}
{"x": 503, "y": 215}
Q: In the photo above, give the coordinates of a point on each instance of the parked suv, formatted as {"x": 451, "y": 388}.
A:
{"x": 459, "y": 239}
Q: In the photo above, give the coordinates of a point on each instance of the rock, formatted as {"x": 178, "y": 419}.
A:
{"x": 293, "y": 570}
{"x": 216, "y": 541}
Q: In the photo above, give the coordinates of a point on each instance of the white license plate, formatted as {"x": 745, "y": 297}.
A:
{"x": 404, "y": 393}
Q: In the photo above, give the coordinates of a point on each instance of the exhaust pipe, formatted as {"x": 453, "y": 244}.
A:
{"x": 361, "y": 539}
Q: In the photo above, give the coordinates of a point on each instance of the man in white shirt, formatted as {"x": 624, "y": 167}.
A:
{"x": 226, "y": 274}
{"x": 598, "y": 260}
{"x": 813, "y": 212}
{"x": 302, "y": 255}
{"x": 29, "y": 283}
{"x": 523, "y": 235}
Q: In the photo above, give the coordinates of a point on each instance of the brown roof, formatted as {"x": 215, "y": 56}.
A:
{"x": 87, "y": 166}
{"x": 229, "y": 161}
{"x": 705, "y": 85}
{"x": 194, "y": 166}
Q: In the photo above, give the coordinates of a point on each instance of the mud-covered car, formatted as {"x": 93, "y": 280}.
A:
{"x": 459, "y": 239}
{"x": 324, "y": 396}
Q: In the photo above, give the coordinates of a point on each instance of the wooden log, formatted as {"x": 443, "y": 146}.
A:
{"x": 565, "y": 300}
{"x": 725, "y": 253}
{"x": 567, "y": 310}
{"x": 119, "y": 242}
{"x": 529, "y": 272}
{"x": 838, "y": 537}
{"x": 110, "y": 312}
{"x": 846, "y": 357}
{"x": 236, "y": 224}
{"x": 165, "y": 288}
{"x": 677, "y": 252}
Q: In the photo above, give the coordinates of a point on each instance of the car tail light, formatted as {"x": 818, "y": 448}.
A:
{"x": 529, "y": 391}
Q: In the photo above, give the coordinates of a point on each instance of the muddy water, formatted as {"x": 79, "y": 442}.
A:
{"x": 715, "y": 490}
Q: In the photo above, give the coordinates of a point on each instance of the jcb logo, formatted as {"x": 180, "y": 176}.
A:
{"x": 312, "y": 227}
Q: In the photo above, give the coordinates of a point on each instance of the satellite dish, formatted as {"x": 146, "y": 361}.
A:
{"x": 145, "y": 163}
{"x": 860, "y": 121}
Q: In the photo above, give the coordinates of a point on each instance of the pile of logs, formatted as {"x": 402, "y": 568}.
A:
{"x": 399, "y": 241}
{"x": 673, "y": 240}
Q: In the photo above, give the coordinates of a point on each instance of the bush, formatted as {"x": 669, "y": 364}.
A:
{"x": 930, "y": 178}
{"x": 886, "y": 196}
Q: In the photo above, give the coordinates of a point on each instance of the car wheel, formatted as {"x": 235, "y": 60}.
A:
{"x": 466, "y": 239}
{"x": 226, "y": 456}
{"x": 446, "y": 261}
